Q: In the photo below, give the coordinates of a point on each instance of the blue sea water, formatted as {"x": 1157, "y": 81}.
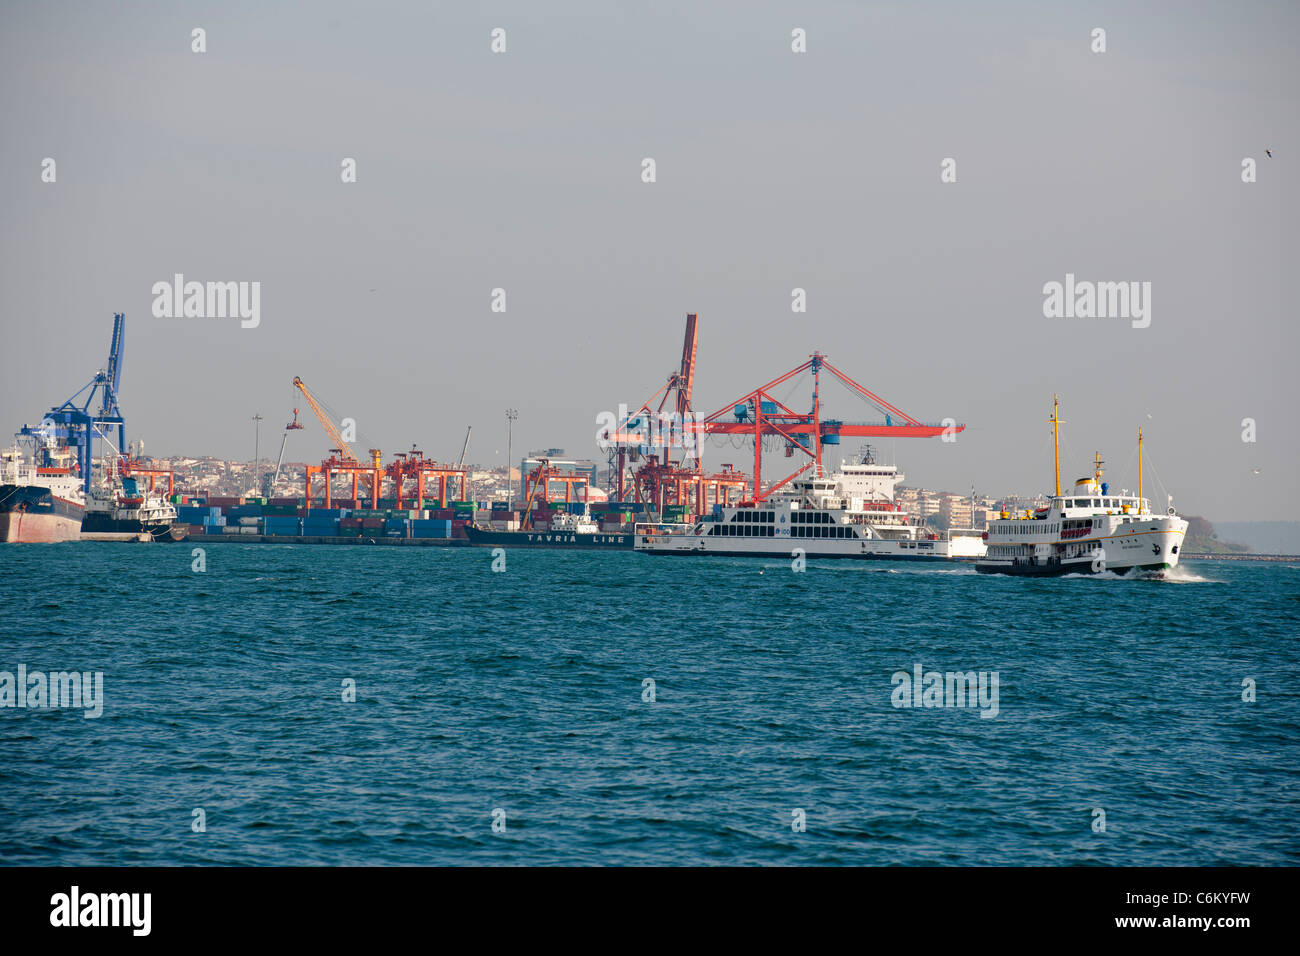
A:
{"x": 523, "y": 692}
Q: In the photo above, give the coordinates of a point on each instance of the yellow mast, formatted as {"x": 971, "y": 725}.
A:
{"x": 1140, "y": 490}
{"x": 1056, "y": 423}
{"x": 1096, "y": 471}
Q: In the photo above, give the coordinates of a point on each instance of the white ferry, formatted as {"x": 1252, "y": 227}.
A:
{"x": 849, "y": 514}
{"x": 1086, "y": 531}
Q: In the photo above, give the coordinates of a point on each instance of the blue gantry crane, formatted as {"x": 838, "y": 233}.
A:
{"x": 76, "y": 425}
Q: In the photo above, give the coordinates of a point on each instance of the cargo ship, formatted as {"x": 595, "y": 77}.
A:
{"x": 1087, "y": 531}
{"x": 577, "y": 532}
{"x": 124, "y": 508}
{"x": 38, "y": 504}
{"x": 848, "y": 514}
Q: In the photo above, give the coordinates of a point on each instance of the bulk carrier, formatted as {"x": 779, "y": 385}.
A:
{"x": 38, "y": 503}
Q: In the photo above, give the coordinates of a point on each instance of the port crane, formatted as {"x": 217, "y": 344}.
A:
{"x": 653, "y": 434}
{"x": 76, "y": 425}
{"x": 405, "y": 465}
{"x": 757, "y": 414}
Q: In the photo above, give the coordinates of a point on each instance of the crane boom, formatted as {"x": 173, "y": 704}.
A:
{"x": 330, "y": 428}
{"x": 686, "y": 379}
{"x": 465, "y": 447}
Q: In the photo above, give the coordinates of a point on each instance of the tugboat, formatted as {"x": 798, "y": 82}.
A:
{"x": 848, "y": 514}
{"x": 124, "y": 509}
{"x": 38, "y": 503}
{"x": 1087, "y": 531}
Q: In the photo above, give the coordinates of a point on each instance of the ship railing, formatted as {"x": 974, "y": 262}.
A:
{"x": 663, "y": 527}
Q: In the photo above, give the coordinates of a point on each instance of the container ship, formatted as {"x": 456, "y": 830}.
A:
{"x": 574, "y": 528}
{"x": 38, "y": 504}
{"x": 1086, "y": 531}
{"x": 848, "y": 514}
{"x": 347, "y": 521}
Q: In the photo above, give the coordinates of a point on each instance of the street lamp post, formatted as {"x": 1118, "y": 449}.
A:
{"x": 511, "y": 415}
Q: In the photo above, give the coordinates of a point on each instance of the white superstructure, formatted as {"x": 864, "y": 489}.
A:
{"x": 1086, "y": 531}
{"x": 851, "y": 513}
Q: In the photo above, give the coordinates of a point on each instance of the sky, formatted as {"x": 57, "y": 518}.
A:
{"x": 775, "y": 170}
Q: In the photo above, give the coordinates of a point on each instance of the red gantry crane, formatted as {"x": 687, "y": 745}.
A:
{"x": 757, "y": 414}
{"x": 405, "y": 465}
{"x": 662, "y": 481}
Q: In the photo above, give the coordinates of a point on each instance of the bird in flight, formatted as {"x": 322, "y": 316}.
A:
{"x": 1268, "y": 153}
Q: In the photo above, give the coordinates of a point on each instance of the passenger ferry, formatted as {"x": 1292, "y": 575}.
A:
{"x": 848, "y": 514}
{"x": 1087, "y": 531}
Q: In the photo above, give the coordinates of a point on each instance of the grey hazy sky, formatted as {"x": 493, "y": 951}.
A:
{"x": 775, "y": 170}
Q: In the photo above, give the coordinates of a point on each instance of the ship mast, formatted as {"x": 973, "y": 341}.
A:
{"x": 1140, "y": 490}
{"x": 1056, "y": 423}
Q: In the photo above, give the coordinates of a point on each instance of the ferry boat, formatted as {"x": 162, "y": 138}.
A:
{"x": 123, "y": 508}
{"x": 575, "y": 531}
{"x": 851, "y": 513}
{"x": 1086, "y": 531}
{"x": 38, "y": 503}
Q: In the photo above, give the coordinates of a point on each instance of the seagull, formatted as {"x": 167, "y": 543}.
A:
{"x": 1257, "y": 471}
{"x": 1268, "y": 153}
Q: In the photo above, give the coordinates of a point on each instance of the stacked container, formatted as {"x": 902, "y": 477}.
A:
{"x": 319, "y": 526}
{"x": 281, "y": 525}
{"x": 430, "y": 528}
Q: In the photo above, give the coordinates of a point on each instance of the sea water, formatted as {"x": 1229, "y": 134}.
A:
{"x": 280, "y": 704}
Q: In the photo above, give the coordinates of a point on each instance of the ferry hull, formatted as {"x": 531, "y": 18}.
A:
{"x": 813, "y": 555}
{"x": 925, "y": 552}
{"x": 30, "y": 514}
{"x": 560, "y": 540}
{"x": 1060, "y": 570}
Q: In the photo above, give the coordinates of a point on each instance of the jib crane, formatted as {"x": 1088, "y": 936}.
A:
{"x": 342, "y": 447}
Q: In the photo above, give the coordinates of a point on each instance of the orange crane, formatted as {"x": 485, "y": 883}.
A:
{"x": 326, "y": 422}
{"x": 345, "y": 461}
